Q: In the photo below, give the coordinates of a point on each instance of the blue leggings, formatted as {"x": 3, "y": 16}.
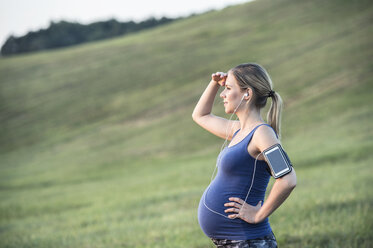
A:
{"x": 268, "y": 241}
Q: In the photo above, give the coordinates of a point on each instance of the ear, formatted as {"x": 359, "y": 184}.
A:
{"x": 249, "y": 93}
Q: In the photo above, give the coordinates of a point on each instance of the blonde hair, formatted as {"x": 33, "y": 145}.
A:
{"x": 254, "y": 76}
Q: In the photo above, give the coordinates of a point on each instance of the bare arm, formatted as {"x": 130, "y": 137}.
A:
{"x": 202, "y": 115}
{"x": 204, "y": 105}
{"x": 281, "y": 189}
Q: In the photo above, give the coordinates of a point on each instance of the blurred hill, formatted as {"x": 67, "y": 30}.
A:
{"x": 63, "y": 34}
{"x": 118, "y": 112}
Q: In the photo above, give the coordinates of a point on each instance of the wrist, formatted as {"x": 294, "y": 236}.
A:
{"x": 214, "y": 83}
{"x": 258, "y": 218}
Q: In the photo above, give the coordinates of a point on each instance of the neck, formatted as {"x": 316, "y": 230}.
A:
{"x": 249, "y": 118}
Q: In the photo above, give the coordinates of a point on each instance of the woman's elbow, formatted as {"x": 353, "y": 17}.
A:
{"x": 292, "y": 180}
{"x": 195, "y": 115}
{"x": 195, "y": 118}
{"x": 292, "y": 184}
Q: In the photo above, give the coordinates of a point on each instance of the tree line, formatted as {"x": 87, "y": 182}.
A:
{"x": 63, "y": 33}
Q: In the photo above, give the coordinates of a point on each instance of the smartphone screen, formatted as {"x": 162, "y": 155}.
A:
{"x": 277, "y": 161}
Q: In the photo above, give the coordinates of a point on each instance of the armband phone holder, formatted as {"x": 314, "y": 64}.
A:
{"x": 277, "y": 160}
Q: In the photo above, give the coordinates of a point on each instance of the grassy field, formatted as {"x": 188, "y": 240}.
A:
{"x": 98, "y": 147}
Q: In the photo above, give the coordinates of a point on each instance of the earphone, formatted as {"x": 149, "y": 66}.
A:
{"x": 218, "y": 161}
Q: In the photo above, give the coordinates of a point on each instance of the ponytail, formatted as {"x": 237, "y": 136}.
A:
{"x": 274, "y": 113}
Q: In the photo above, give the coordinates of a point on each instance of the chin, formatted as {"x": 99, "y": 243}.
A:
{"x": 228, "y": 111}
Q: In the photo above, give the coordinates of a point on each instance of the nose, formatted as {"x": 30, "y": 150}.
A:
{"x": 222, "y": 94}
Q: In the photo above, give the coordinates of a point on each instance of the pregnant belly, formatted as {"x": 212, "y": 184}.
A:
{"x": 215, "y": 223}
{"x": 212, "y": 218}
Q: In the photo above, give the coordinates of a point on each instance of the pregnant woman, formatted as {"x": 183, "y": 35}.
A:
{"x": 232, "y": 211}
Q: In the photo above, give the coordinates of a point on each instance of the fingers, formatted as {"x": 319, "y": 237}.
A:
{"x": 236, "y": 207}
{"x": 232, "y": 204}
{"x": 219, "y": 74}
{"x": 233, "y": 216}
{"x": 219, "y": 77}
{"x": 236, "y": 199}
{"x": 222, "y": 74}
{"x": 232, "y": 210}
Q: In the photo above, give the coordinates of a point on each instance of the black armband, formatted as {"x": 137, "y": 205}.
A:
{"x": 277, "y": 160}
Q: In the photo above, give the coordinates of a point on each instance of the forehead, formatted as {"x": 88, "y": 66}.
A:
{"x": 231, "y": 80}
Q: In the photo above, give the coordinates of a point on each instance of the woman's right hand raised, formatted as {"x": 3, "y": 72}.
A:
{"x": 219, "y": 77}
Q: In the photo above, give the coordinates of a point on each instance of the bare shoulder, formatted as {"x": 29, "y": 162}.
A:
{"x": 264, "y": 137}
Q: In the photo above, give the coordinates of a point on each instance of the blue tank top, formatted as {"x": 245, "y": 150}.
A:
{"x": 235, "y": 172}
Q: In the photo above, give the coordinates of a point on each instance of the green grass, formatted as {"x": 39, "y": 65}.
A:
{"x": 98, "y": 148}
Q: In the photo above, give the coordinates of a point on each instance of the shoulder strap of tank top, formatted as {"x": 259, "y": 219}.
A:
{"x": 236, "y": 132}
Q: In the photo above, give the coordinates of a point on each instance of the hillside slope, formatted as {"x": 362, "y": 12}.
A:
{"x": 315, "y": 52}
{"x": 84, "y": 125}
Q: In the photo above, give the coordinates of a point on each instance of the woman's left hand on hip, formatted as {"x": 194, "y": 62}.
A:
{"x": 242, "y": 210}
